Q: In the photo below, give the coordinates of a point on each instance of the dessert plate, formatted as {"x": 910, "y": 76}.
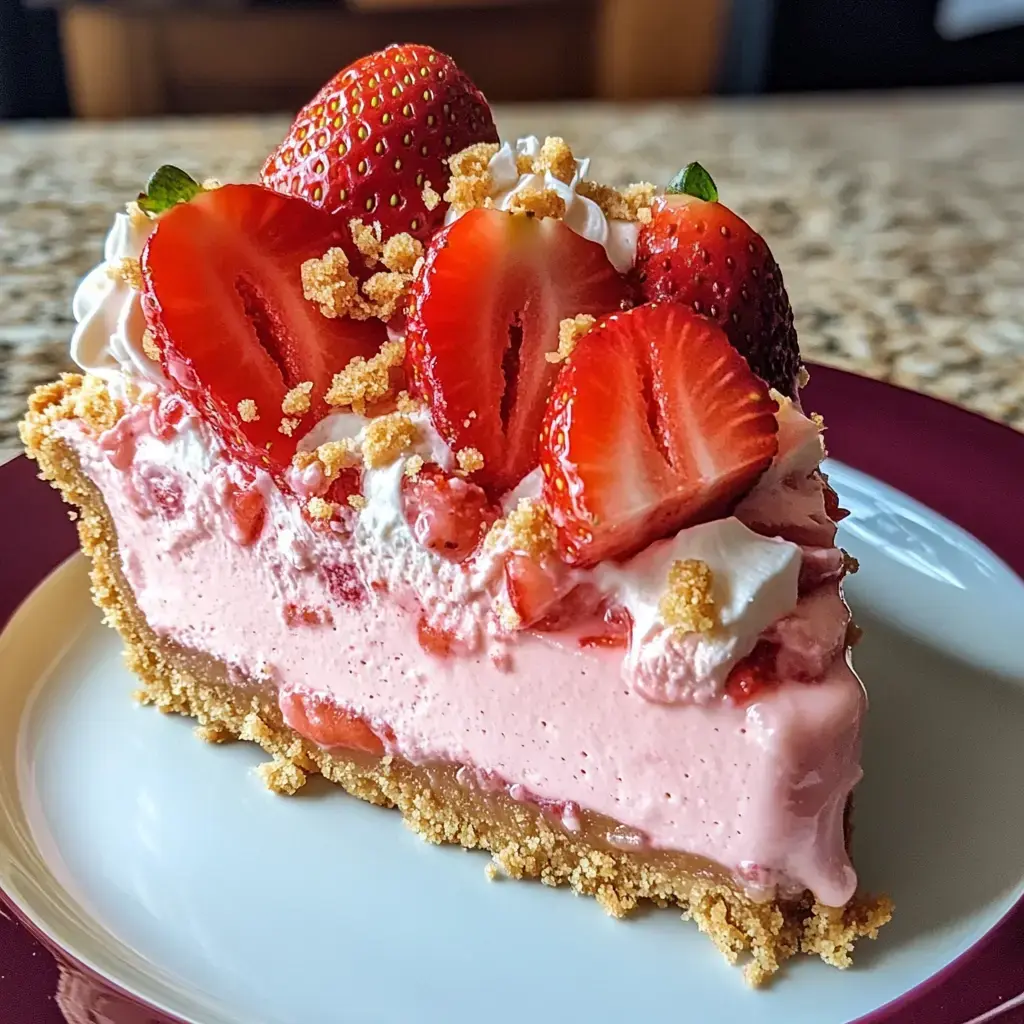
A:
{"x": 169, "y": 885}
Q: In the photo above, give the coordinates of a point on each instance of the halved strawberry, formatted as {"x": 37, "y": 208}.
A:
{"x": 655, "y": 423}
{"x": 486, "y": 309}
{"x": 698, "y": 252}
{"x": 326, "y": 723}
{"x": 447, "y": 515}
{"x": 534, "y": 589}
{"x": 369, "y": 141}
{"x": 223, "y": 297}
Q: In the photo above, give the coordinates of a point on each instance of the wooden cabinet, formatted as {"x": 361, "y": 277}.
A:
{"x": 128, "y": 62}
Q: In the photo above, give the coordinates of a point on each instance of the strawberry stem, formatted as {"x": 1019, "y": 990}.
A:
{"x": 168, "y": 186}
{"x": 693, "y": 180}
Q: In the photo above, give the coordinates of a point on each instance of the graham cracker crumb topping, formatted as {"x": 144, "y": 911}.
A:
{"x": 128, "y": 271}
{"x": 247, "y": 410}
{"x": 318, "y": 508}
{"x": 296, "y": 402}
{"x": 413, "y": 465}
{"x": 473, "y": 159}
{"x": 626, "y": 204}
{"x": 329, "y": 283}
{"x": 527, "y": 529}
{"x": 570, "y": 330}
{"x": 287, "y": 425}
{"x": 803, "y": 377}
{"x": 687, "y": 605}
{"x": 334, "y": 456}
{"x": 469, "y": 460}
{"x": 149, "y": 345}
{"x": 507, "y": 615}
{"x": 537, "y": 202}
{"x": 356, "y": 501}
{"x": 366, "y": 380}
{"x": 556, "y": 156}
{"x": 406, "y": 403}
{"x": 387, "y": 437}
{"x": 430, "y": 197}
{"x": 401, "y": 253}
{"x": 385, "y": 291}
{"x": 367, "y": 239}
{"x": 471, "y": 183}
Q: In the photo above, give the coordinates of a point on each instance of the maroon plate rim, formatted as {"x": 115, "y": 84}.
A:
{"x": 917, "y": 444}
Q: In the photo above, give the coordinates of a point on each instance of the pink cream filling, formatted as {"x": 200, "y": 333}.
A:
{"x": 759, "y": 789}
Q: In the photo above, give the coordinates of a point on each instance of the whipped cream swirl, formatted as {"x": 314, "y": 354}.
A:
{"x": 583, "y": 215}
{"x": 108, "y": 338}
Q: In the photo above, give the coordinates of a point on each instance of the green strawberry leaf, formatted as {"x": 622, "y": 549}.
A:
{"x": 167, "y": 187}
{"x": 693, "y": 180}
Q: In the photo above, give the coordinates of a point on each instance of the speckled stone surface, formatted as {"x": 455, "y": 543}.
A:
{"x": 898, "y": 222}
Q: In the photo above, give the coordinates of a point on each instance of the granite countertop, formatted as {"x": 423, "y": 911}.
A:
{"x": 898, "y": 221}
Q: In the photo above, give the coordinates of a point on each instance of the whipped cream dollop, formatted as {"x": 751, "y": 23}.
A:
{"x": 583, "y": 215}
{"x": 754, "y": 584}
{"x": 108, "y": 339}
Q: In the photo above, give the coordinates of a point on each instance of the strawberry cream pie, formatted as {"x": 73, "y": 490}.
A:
{"x": 484, "y": 490}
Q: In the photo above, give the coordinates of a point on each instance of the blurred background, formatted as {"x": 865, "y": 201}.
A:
{"x": 130, "y": 58}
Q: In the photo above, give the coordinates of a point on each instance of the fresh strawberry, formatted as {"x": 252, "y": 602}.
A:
{"x": 534, "y": 589}
{"x": 486, "y": 309}
{"x": 655, "y": 423}
{"x": 327, "y": 724}
{"x": 753, "y": 674}
{"x": 372, "y": 138}
{"x": 448, "y": 515}
{"x": 223, "y": 297}
{"x": 698, "y": 252}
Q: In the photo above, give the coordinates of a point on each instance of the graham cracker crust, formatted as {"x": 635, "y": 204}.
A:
{"x": 523, "y": 842}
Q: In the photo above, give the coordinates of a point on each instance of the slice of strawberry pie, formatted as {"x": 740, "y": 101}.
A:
{"x": 483, "y": 490}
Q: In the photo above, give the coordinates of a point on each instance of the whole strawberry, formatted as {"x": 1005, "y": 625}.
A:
{"x": 696, "y": 251}
{"x": 377, "y": 133}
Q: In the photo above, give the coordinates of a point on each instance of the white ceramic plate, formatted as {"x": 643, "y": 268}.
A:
{"x": 163, "y": 863}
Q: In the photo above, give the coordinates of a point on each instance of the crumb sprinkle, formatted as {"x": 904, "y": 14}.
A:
{"x": 319, "y": 508}
{"x": 334, "y": 456}
{"x": 366, "y": 381}
{"x": 556, "y": 157}
{"x": 401, "y": 253}
{"x": 570, "y": 330}
{"x": 527, "y": 529}
{"x": 247, "y": 411}
{"x": 356, "y": 501}
{"x": 367, "y": 239}
{"x": 470, "y": 460}
{"x": 149, "y": 345}
{"x": 537, "y": 202}
{"x": 430, "y": 197}
{"x": 296, "y": 401}
{"x": 413, "y": 465}
{"x": 687, "y": 606}
{"x": 387, "y": 437}
{"x": 287, "y": 425}
{"x": 126, "y": 270}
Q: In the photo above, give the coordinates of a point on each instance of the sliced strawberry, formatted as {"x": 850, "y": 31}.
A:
{"x": 487, "y": 305}
{"x": 655, "y": 423}
{"x": 223, "y": 296}
{"x": 448, "y": 515}
{"x": 326, "y": 723}
{"x": 534, "y": 589}
{"x": 698, "y": 252}
{"x": 370, "y": 140}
